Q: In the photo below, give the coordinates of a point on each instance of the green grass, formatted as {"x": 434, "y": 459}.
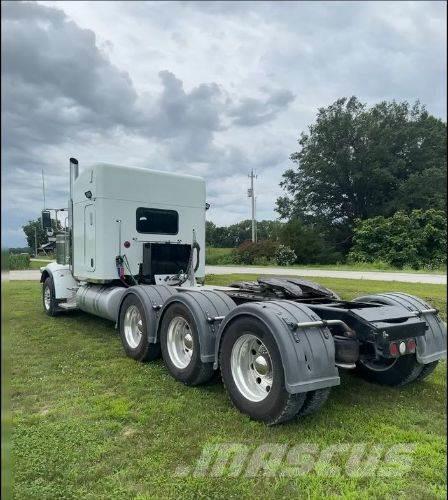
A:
{"x": 218, "y": 256}
{"x": 88, "y": 422}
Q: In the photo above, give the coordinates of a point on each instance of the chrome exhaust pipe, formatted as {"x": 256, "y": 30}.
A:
{"x": 74, "y": 172}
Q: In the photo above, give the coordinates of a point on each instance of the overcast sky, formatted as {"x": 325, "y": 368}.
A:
{"x": 212, "y": 89}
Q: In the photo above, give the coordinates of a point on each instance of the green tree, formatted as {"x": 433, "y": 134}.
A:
{"x": 35, "y": 227}
{"x": 308, "y": 243}
{"x": 416, "y": 239}
{"x": 357, "y": 162}
{"x": 233, "y": 235}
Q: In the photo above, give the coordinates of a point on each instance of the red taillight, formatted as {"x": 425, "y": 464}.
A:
{"x": 393, "y": 349}
{"x": 411, "y": 345}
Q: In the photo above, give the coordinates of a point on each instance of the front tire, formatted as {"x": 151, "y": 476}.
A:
{"x": 394, "y": 372}
{"x": 133, "y": 331}
{"x": 48, "y": 298}
{"x": 253, "y": 375}
{"x": 181, "y": 350}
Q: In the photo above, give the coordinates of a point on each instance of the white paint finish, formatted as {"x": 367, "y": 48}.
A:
{"x": 437, "y": 279}
{"x": 64, "y": 283}
{"x": 117, "y": 192}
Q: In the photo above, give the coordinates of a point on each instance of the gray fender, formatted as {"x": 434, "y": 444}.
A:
{"x": 432, "y": 346}
{"x": 152, "y": 297}
{"x": 203, "y": 305}
{"x": 308, "y": 354}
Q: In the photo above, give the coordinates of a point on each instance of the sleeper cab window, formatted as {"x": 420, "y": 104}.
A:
{"x": 157, "y": 221}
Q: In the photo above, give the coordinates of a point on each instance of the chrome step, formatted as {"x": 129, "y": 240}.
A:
{"x": 68, "y": 305}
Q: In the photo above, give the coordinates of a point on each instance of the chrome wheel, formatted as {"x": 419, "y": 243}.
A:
{"x": 179, "y": 342}
{"x": 251, "y": 367}
{"x": 47, "y": 298}
{"x": 133, "y": 326}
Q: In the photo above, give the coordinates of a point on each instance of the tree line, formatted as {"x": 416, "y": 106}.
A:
{"x": 357, "y": 163}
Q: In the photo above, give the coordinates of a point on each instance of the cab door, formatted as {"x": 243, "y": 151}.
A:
{"x": 89, "y": 237}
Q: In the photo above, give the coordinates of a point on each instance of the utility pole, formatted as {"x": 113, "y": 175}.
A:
{"x": 255, "y": 218}
{"x": 251, "y": 194}
{"x": 35, "y": 241}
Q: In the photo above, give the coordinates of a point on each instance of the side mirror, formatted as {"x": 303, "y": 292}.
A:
{"x": 46, "y": 219}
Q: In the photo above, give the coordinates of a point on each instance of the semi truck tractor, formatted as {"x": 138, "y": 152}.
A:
{"x": 133, "y": 252}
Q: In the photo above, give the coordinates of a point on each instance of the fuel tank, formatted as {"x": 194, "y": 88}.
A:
{"x": 100, "y": 300}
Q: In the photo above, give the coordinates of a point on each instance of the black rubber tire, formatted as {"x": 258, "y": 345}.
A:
{"x": 405, "y": 370}
{"x": 53, "y": 310}
{"x": 145, "y": 351}
{"x": 427, "y": 370}
{"x": 279, "y": 405}
{"x": 196, "y": 372}
{"x": 314, "y": 401}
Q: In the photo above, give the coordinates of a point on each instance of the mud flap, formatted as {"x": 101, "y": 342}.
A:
{"x": 308, "y": 354}
{"x": 430, "y": 347}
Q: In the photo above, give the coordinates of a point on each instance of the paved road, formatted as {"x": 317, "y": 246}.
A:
{"x": 438, "y": 279}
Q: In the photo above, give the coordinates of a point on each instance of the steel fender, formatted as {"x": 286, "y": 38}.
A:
{"x": 308, "y": 354}
{"x": 153, "y": 297}
{"x": 432, "y": 346}
{"x": 204, "y": 306}
{"x": 64, "y": 283}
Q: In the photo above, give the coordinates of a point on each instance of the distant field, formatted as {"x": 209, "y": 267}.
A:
{"x": 88, "y": 422}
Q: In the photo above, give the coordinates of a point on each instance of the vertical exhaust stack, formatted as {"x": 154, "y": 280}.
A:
{"x": 74, "y": 171}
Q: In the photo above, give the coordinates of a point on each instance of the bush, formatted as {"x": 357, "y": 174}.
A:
{"x": 416, "y": 240}
{"x": 285, "y": 256}
{"x": 261, "y": 253}
{"x": 308, "y": 244}
{"x": 218, "y": 256}
{"x": 18, "y": 261}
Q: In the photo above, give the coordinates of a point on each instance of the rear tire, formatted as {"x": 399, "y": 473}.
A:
{"x": 427, "y": 370}
{"x": 395, "y": 373}
{"x": 49, "y": 300}
{"x": 314, "y": 401}
{"x": 250, "y": 363}
{"x": 133, "y": 331}
{"x": 181, "y": 350}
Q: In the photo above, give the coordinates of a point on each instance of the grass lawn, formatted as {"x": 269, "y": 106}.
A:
{"x": 87, "y": 422}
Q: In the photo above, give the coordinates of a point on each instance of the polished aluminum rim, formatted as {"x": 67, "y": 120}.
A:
{"x": 251, "y": 366}
{"x": 133, "y": 326}
{"x": 47, "y": 298}
{"x": 180, "y": 342}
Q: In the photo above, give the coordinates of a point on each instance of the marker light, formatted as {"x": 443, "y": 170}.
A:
{"x": 127, "y": 244}
{"x": 393, "y": 349}
{"x": 411, "y": 345}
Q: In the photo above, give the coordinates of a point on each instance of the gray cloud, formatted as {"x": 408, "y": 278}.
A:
{"x": 208, "y": 88}
{"x": 250, "y": 112}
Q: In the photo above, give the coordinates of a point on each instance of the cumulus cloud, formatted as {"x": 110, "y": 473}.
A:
{"x": 207, "y": 88}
